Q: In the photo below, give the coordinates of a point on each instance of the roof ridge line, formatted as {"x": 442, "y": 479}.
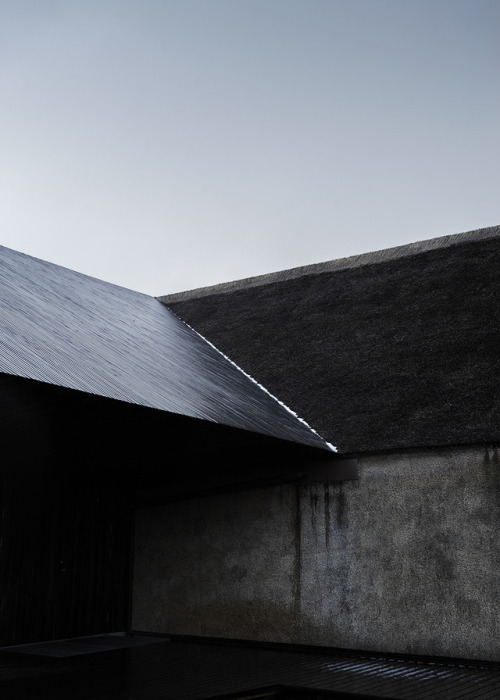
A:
{"x": 360, "y": 260}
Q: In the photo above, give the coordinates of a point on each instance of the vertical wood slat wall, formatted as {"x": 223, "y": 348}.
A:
{"x": 64, "y": 555}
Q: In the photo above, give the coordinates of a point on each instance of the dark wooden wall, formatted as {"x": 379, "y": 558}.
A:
{"x": 64, "y": 558}
{"x": 65, "y": 520}
{"x": 72, "y": 468}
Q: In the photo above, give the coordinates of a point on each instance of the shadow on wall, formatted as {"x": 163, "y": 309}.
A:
{"x": 403, "y": 560}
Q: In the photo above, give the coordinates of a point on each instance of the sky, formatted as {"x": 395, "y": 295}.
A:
{"x": 166, "y": 145}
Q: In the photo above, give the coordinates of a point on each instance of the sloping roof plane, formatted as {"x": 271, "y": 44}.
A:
{"x": 65, "y": 328}
{"x": 387, "y": 350}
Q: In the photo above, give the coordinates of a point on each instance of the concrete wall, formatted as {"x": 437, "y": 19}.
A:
{"x": 405, "y": 560}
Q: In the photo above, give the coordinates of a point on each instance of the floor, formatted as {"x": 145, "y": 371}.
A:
{"x": 84, "y": 645}
{"x": 192, "y": 670}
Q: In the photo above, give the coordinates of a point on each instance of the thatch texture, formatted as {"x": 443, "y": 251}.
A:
{"x": 393, "y": 351}
{"x": 70, "y": 330}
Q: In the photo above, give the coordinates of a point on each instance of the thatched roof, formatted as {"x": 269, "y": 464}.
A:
{"x": 63, "y": 328}
{"x": 395, "y": 349}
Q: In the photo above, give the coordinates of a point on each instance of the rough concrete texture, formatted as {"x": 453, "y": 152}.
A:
{"x": 222, "y": 566}
{"x": 404, "y": 560}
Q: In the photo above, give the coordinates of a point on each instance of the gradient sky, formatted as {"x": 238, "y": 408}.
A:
{"x": 165, "y": 145}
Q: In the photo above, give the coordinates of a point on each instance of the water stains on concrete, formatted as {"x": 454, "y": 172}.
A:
{"x": 404, "y": 560}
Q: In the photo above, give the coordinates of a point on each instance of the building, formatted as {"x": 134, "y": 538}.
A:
{"x": 149, "y": 484}
{"x": 394, "y": 358}
{"x": 110, "y": 402}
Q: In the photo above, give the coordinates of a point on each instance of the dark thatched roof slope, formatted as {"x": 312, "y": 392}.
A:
{"x": 393, "y": 349}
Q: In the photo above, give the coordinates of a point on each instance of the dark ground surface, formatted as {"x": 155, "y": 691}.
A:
{"x": 194, "y": 670}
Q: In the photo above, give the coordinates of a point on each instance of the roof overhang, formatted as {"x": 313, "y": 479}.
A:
{"x": 64, "y": 328}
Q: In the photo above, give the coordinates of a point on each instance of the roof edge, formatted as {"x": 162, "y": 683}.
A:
{"x": 372, "y": 258}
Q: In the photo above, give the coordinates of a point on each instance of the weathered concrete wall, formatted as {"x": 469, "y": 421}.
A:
{"x": 405, "y": 560}
{"x": 222, "y": 566}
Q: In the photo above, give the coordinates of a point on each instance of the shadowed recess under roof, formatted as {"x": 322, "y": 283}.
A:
{"x": 65, "y": 328}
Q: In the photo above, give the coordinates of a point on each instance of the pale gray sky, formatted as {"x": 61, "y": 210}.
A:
{"x": 170, "y": 144}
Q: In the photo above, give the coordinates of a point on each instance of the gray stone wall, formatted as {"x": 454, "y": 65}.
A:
{"x": 404, "y": 560}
